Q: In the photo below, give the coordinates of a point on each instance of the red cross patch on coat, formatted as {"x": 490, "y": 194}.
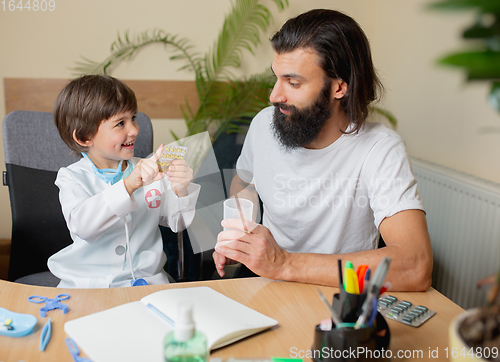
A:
{"x": 153, "y": 198}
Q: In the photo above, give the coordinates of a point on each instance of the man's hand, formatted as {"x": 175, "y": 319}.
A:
{"x": 221, "y": 261}
{"x": 257, "y": 249}
{"x": 180, "y": 175}
{"x": 144, "y": 173}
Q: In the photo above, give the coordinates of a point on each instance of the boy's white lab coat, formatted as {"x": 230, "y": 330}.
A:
{"x": 96, "y": 213}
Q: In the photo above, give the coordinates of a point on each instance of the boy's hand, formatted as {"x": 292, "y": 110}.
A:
{"x": 145, "y": 172}
{"x": 180, "y": 175}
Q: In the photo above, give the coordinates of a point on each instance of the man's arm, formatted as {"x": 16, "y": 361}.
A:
{"x": 405, "y": 234}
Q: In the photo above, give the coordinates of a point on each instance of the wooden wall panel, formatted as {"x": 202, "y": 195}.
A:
{"x": 156, "y": 98}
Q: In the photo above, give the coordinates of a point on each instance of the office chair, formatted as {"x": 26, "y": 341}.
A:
{"x": 34, "y": 152}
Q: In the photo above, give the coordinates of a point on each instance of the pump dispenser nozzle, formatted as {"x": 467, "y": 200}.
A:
{"x": 185, "y": 343}
{"x": 184, "y": 325}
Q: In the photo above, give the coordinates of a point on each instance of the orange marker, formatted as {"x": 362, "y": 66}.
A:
{"x": 360, "y": 272}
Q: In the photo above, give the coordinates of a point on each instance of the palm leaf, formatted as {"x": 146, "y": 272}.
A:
{"x": 240, "y": 32}
{"x": 124, "y": 48}
{"x": 174, "y": 135}
{"x": 477, "y": 64}
{"x": 244, "y": 100}
{"x": 248, "y": 97}
{"x": 484, "y": 6}
{"x": 483, "y": 63}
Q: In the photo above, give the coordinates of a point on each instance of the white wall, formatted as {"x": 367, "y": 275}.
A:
{"x": 439, "y": 116}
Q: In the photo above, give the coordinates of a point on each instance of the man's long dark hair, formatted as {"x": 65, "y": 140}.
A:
{"x": 345, "y": 54}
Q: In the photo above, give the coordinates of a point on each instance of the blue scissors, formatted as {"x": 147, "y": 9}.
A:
{"x": 52, "y": 303}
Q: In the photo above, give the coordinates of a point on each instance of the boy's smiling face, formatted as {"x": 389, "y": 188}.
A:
{"x": 114, "y": 140}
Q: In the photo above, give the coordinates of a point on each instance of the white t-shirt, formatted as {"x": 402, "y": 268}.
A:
{"x": 331, "y": 200}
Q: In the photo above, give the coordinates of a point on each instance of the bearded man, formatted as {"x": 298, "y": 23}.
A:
{"x": 330, "y": 182}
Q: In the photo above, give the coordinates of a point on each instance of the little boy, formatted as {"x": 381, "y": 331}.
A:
{"x": 113, "y": 202}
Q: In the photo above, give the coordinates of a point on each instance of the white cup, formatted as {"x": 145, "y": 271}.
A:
{"x": 231, "y": 210}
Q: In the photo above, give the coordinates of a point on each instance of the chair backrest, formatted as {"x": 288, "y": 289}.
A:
{"x": 34, "y": 152}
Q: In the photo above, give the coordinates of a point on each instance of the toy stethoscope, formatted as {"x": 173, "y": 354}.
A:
{"x": 134, "y": 282}
{"x": 112, "y": 176}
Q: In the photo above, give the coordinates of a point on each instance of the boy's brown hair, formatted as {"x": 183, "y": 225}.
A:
{"x": 86, "y": 102}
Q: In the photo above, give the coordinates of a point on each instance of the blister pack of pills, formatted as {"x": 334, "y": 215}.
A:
{"x": 404, "y": 311}
{"x": 169, "y": 154}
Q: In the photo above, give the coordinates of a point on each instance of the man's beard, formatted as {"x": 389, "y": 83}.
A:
{"x": 301, "y": 127}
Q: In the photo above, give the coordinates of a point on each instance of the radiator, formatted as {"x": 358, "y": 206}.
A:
{"x": 463, "y": 216}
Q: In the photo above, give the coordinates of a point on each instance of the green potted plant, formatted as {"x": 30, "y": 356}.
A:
{"x": 482, "y": 61}
{"x": 475, "y": 334}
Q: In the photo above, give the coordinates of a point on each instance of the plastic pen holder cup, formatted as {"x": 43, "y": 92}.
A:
{"x": 347, "y": 343}
{"x": 351, "y": 305}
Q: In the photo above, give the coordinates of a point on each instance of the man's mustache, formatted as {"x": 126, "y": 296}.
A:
{"x": 285, "y": 107}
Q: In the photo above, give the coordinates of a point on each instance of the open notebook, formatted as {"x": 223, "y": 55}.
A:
{"x": 135, "y": 332}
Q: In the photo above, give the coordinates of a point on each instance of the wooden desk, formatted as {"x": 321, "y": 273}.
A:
{"x": 295, "y": 306}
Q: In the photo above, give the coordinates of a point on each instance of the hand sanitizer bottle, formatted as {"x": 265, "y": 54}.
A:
{"x": 185, "y": 344}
